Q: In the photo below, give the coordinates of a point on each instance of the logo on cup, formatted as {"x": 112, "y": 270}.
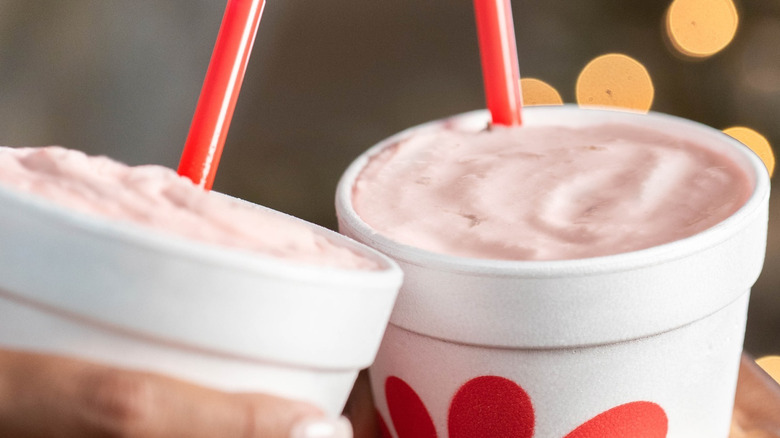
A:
{"x": 493, "y": 406}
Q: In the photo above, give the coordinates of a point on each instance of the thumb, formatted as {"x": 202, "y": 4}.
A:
{"x": 54, "y": 396}
{"x": 322, "y": 428}
{"x": 274, "y": 417}
{"x": 174, "y": 408}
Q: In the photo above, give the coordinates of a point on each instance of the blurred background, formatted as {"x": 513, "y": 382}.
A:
{"x": 329, "y": 78}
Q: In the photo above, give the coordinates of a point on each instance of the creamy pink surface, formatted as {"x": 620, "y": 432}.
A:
{"x": 546, "y": 193}
{"x": 157, "y": 197}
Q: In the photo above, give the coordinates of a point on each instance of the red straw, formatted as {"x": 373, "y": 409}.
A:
{"x": 498, "y": 50}
{"x": 218, "y": 97}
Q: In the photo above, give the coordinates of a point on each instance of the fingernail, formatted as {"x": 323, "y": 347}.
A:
{"x": 322, "y": 428}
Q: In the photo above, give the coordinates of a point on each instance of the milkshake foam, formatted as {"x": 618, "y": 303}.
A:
{"x": 157, "y": 197}
{"x": 546, "y": 192}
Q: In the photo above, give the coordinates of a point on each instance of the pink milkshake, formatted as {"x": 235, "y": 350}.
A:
{"x": 585, "y": 275}
{"x": 156, "y": 197}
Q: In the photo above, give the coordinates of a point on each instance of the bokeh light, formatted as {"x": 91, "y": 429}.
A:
{"x": 615, "y": 80}
{"x": 538, "y": 92}
{"x": 701, "y": 28}
{"x": 755, "y": 141}
{"x": 770, "y": 364}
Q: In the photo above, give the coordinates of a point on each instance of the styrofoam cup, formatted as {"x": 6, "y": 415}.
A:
{"x": 129, "y": 296}
{"x": 645, "y": 343}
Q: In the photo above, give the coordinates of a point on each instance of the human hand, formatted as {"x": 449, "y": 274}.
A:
{"x": 757, "y": 404}
{"x": 360, "y": 408}
{"x": 44, "y": 396}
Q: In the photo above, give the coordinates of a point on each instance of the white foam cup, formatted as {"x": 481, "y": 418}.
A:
{"x": 644, "y": 343}
{"x": 129, "y": 296}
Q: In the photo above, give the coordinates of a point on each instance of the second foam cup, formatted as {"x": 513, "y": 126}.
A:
{"x": 647, "y": 340}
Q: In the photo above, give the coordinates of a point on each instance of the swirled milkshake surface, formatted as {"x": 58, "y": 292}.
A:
{"x": 546, "y": 192}
{"x": 157, "y": 197}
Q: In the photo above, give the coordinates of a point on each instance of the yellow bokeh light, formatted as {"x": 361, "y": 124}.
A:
{"x": 538, "y": 92}
{"x": 755, "y": 141}
{"x": 615, "y": 80}
{"x": 770, "y": 364}
{"x": 701, "y": 28}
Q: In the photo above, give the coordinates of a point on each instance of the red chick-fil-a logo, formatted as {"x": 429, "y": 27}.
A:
{"x": 492, "y": 406}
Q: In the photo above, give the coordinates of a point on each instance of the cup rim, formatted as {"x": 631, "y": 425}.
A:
{"x": 557, "y": 268}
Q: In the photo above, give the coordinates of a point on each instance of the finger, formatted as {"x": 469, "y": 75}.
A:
{"x": 756, "y": 404}
{"x": 360, "y": 408}
{"x": 52, "y": 396}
